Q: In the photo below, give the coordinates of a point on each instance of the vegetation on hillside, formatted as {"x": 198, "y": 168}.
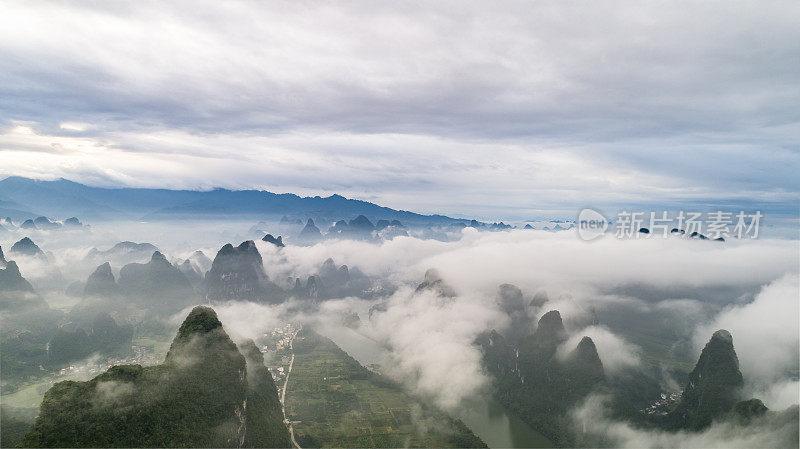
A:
{"x": 198, "y": 397}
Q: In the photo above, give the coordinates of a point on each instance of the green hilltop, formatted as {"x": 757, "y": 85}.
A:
{"x": 205, "y": 394}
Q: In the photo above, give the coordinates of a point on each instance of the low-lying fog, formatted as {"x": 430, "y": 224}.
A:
{"x": 682, "y": 289}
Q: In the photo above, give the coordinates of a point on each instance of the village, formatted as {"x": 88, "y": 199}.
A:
{"x": 276, "y": 349}
{"x": 663, "y": 405}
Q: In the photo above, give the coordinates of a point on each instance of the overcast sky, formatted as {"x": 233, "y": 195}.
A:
{"x": 500, "y": 110}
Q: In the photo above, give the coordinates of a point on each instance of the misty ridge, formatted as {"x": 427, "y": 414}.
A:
{"x": 22, "y": 198}
{"x": 400, "y": 225}
{"x": 391, "y": 225}
{"x": 585, "y": 344}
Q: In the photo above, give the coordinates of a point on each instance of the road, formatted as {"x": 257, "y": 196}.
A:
{"x": 283, "y": 393}
{"x": 285, "y": 382}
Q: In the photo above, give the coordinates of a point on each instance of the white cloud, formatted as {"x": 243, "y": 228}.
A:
{"x": 614, "y": 351}
{"x": 590, "y": 417}
{"x": 766, "y": 336}
{"x": 432, "y": 342}
{"x": 459, "y": 107}
{"x": 73, "y": 126}
{"x": 431, "y": 338}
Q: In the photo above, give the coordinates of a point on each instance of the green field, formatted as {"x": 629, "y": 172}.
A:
{"x": 656, "y": 351}
{"x": 339, "y": 403}
{"x": 28, "y": 394}
{"x": 157, "y": 345}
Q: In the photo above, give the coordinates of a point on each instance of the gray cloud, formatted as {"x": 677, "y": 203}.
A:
{"x": 522, "y": 110}
{"x": 523, "y": 69}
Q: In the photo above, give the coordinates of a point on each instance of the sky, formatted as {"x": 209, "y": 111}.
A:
{"x": 513, "y": 111}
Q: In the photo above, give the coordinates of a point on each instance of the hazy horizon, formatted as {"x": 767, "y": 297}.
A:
{"x": 472, "y": 110}
{"x": 451, "y": 224}
{"x": 781, "y": 217}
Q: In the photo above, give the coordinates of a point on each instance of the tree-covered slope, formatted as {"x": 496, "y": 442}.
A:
{"x": 26, "y": 325}
{"x": 237, "y": 273}
{"x": 713, "y": 388}
{"x": 538, "y": 386}
{"x": 104, "y": 337}
{"x": 265, "y": 426}
{"x": 199, "y": 397}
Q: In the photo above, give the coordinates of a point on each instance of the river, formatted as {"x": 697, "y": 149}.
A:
{"x": 487, "y": 418}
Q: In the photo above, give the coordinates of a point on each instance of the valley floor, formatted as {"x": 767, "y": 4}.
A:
{"x": 333, "y": 401}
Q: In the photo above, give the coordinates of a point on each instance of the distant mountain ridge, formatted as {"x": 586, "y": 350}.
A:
{"x": 64, "y": 198}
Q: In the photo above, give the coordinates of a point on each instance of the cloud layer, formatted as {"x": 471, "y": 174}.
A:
{"x": 430, "y": 339}
{"x": 522, "y": 111}
{"x": 766, "y": 336}
{"x": 767, "y": 432}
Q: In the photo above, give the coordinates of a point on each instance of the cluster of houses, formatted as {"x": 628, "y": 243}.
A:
{"x": 663, "y": 405}
{"x": 276, "y": 349}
